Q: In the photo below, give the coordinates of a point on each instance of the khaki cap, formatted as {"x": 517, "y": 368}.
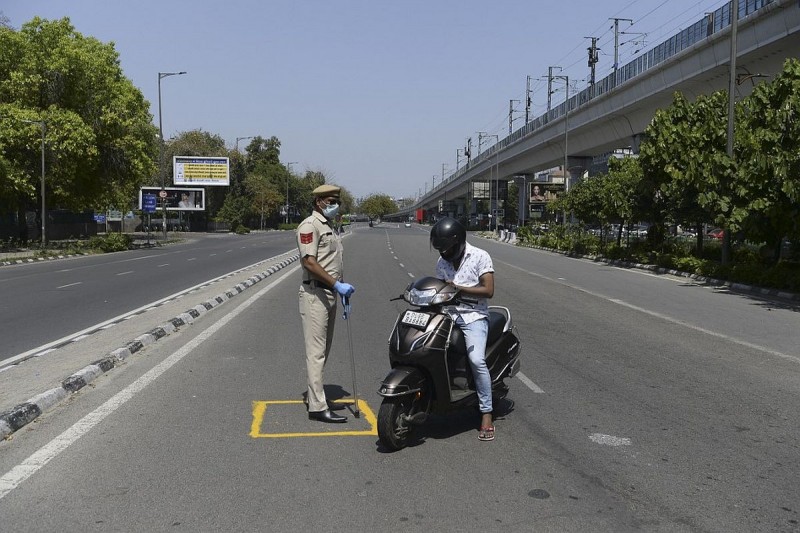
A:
{"x": 326, "y": 190}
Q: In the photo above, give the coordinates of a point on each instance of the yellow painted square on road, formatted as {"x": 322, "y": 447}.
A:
{"x": 263, "y": 410}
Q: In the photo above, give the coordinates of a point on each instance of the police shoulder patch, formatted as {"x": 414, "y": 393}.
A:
{"x": 306, "y": 238}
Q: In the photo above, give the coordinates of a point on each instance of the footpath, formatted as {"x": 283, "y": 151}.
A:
{"x": 35, "y": 384}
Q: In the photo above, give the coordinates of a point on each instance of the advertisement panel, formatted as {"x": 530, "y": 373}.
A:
{"x": 541, "y": 193}
{"x": 190, "y": 170}
{"x": 176, "y": 198}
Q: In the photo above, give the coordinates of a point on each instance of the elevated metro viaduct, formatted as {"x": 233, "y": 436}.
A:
{"x": 614, "y": 113}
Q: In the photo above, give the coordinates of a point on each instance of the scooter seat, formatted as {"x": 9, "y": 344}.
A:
{"x": 497, "y": 321}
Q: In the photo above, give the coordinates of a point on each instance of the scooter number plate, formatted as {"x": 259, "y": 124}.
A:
{"x": 412, "y": 318}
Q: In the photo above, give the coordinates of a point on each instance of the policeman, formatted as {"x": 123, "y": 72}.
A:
{"x": 321, "y": 258}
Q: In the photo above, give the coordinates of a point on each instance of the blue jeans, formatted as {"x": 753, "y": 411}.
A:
{"x": 475, "y": 335}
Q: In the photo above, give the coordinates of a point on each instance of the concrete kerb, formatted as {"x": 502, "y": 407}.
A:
{"x": 24, "y": 413}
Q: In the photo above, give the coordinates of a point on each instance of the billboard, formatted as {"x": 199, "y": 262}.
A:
{"x": 176, "y": 198}
{"x": 541, "y": 193}
{"x": 196, "y": 170}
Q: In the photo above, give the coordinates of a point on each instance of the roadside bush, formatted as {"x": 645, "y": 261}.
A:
{"x": 241, "y": 229}
{"x": 525, "y": 235}
{"x": 747, "y": 265}
{"x": 750, "y": 273}
{"x": 112, "y": 242}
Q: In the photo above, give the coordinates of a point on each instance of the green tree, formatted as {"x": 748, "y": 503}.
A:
{"x": 769, "y": 172}
{"x": 378, "y": 205}
{"x": 199, "y": 143}
{"x": 100, "y": 141}
{"x": 682, "y": 144}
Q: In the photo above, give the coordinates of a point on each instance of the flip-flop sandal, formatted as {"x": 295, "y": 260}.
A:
{"x": 486, "y": 433}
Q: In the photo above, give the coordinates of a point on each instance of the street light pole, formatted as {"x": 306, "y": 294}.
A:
{"x": 566, "y": 138}
{"x": 289, "y": 167}
{"x": 162, "y": 75}
{"x": 497, "y": 194}
{"x": 241, "y": 139}
{"x": 726, "y": 235}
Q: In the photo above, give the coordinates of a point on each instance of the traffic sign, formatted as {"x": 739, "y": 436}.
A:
{"x": 162, "y": 193}
{"x": 149, "y": 203}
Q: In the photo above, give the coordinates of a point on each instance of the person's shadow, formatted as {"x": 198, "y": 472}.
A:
{"x": 334, "y": 393}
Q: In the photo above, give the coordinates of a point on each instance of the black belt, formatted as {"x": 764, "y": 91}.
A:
{"x": 316, "y": 284}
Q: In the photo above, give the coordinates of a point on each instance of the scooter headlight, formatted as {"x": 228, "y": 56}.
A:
{"x": 425, "y": 297}
{"x": 420, "y": 297}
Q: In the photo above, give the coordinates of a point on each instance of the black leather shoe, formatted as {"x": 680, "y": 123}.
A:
{"x": 327, "y": 416}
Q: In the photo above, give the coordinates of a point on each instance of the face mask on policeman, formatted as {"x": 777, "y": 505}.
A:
{"x": 330, "y": 207}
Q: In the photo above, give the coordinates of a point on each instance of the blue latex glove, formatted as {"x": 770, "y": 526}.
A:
{"x": 344, "y": 289}
{"x": 346, "y": 306}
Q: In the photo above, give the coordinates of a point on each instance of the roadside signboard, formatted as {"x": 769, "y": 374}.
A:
{"x": 175, "y": 198}
{"x": 540, "y": 192}
{"x": 201, "y": 170}
{"x": 147, "y": 202}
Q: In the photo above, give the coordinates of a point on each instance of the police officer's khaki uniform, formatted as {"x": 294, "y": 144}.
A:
{"x": 317, "y": 238}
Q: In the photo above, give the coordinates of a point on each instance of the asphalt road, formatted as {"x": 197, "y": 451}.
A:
{"x": 51, "y": 301}
{"x": 646, "y": 403}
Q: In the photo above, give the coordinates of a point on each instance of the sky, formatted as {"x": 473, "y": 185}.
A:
{"x": 378, "y": 95}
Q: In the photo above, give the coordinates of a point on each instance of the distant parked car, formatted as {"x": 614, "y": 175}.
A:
{"x": 408, "y": 224}
{"x": 716, "y": 233}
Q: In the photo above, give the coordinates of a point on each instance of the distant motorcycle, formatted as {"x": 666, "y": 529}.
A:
{"x": 430, "y": 369}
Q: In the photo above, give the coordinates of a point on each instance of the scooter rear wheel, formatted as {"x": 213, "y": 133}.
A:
{"x": 394, "y": 431}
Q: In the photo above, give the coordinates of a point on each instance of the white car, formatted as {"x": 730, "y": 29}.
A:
{"x": 408, "y": 224}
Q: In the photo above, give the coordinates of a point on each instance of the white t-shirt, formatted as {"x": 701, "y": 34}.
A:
{"x": 475, "y": 263}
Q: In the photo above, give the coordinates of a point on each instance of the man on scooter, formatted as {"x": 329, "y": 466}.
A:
{"x": 470, "y": 270}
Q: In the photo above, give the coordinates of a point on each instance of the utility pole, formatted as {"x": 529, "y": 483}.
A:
{"x": 550, "y": 86}
{"x": 511, "y": 114}
{"x": 288, "y": 175}
{"x": 594, "y": 57}
{"x": 726, "y": 235}
{"x": 481, "y": 135}
{"x": 616, "y": 45}
{"x": 550, "y": 91}
{"x": 566, "y": 138}
{"x": 528, "y": 100}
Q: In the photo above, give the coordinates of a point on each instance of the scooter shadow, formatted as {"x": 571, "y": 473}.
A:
{"x": 445, "y": 426}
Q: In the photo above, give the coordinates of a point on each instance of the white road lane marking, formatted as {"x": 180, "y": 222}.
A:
{"x": 530, "y": 384}
{"x": 125, "y": 316}
{"x": 125, "y": 273}
{"x": 609, "y": 440}
{"x": 12, "y": 479}
{"x": 734, "y": 340}
{"x": 69, "y": 285}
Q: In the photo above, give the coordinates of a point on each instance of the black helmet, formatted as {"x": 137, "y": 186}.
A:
{"x": 449, "y": 238}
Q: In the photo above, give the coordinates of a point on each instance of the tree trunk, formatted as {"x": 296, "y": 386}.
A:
{"x": 22, "y": 226}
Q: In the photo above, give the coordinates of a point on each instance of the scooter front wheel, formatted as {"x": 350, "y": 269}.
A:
{"x": 394, "y": 430}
